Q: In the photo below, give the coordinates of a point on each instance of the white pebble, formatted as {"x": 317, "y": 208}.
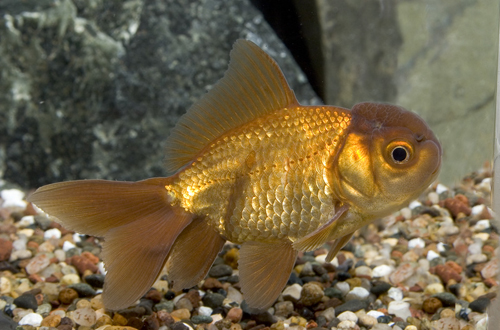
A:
{"x": 375, "y": 314}
{"x": 434, "y": 288}
{"x": 441, "y": 188}
{"x": 483, "y": 237}
{"x": 433, "y": 197}
{"x": 441, "y": 247}
{"x": 11, "y": 194}
{"x": 5, "y": 285}
{"x": 476, "y": 210}
{"x": 476, "y": 259}
{"x": 415, "y": 204}
{"x": 52, "y": 233}
{"x": 406, "y": 213}
{"x": 348, "y": 316}
{"x": 390, "y": 241}
{"x": 485, "y": 185}
{"x": 204, "y": 310}
{"x": 432, "y": 255}
{"x": 70, "y": 279}
{"x": 102, "y": 268}
{"x": 28, "y": 232}
{"x": 68, "y": 246}
{"x": 357, "y": 293}
{"x": 395, "y": 294}
{"x": 20, "y": 254}
{"x": 60, "y": 254}
{"x": 363, "y": 271}
{"x": 400, "y": 309}
{"x": 382, "y": 270}
{"x": 475, "y": 248}
{"x": 26, "y": 221}
{"x": 292, "y": 292}
{"x": 482, "y": 225}
{"x": 322, "y": 259}
{"x": 77, "y": 238}
{"x": 344, "y": 287}
{"x": 348, "y": 325}
{"x": 32, "y": 319}
{"x": 416, "y": 243}
{"x": 20, "y": 244}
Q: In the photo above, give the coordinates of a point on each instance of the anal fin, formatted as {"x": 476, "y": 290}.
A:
{"x": 321, "y": 235}
{"x": 337, "y": 245}
{"x": 264, "y": 271}
{"x": 193, "y": 253}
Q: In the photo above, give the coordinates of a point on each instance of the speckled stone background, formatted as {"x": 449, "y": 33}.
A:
{"x": 90, "y": 89}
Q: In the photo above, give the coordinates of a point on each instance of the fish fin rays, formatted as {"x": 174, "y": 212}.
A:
{"x": 264, "y": 270}
{"x": 135, "y": 253}
{"x": 337, "y": 245}
{"x": 252, "y": 86}
{"x": 321, "y": 235}
{"x": 136, "y": 220}
{"x": 95, "y": 206}
{"x": 193, "y": 253}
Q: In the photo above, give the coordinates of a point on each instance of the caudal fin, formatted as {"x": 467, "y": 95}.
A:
{"x": 137, "y": 222}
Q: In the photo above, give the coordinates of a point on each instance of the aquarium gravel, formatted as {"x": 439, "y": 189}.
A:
{"x": 432, "y": 265}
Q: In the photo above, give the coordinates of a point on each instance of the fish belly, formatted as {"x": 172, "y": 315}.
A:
{"x": 266, "y": 180}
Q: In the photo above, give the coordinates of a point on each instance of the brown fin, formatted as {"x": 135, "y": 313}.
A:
{"x": 135, "y": 253}
{"x": 95, "y": 206}
{"x": 136, "y": 219}
{"x": 264, "y": 271}
{"x": 252, "y": 86}
{"x": 321, "y": 235}
{"x": 193, "y": 253}
{"x": 337, "y": 245}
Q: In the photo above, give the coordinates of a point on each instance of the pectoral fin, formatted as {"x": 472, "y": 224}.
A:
{"x": 193, "y": 253}
{"x": 321, "y": 235}
{"x": 337, "y": 245}
{"x": 264, "y": 271}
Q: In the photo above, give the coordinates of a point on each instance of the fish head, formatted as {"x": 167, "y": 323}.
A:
{"x": 389, "y": 157}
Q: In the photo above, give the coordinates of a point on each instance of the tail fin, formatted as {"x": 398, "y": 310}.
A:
{"x": 136, "y": 219}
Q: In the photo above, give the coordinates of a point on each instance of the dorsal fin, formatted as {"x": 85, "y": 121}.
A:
{"x": 252, "y": 86}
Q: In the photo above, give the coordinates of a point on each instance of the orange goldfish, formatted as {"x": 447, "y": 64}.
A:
{"x": 252, "y": 166}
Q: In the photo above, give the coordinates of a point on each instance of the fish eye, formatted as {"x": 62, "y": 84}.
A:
{"x": 400, "y": 154}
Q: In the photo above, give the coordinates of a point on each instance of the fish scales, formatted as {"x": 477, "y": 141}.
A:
{"x": 265, "y": 179}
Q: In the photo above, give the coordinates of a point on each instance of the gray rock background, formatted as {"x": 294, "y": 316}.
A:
{"x": 91, "y": 89}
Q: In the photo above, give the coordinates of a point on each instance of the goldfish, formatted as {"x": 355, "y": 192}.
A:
{"x": 252, "y": 166}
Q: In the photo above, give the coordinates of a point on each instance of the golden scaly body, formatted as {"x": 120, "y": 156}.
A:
{"x": 266, "y": 179}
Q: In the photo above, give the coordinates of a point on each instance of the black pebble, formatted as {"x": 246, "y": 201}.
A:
{"x": 306, "y": 313}
{"x": 170, "y": 295}
{"x": 307, "y": 279}
{"x": 6, "y": 322}
{"x": 26, "y": 301}
{"x": 480, "y": 304}
{"x": 294, "y": 278}
{"x": 220, "y": 271}
{"x": 333, "y": 293}
{"x": 448, "y": 299}
{"x": 147, "y": 305}
{"x": 321, "y": 321}
{"x": 342, "y": 276}
{"x": 213, "y": 300}
{"x": 333, "y": 323}
{"x": 83, "y": 289}
{"x": 384, "y": 319}
{"x": 96, "y": 280}
{"x": 352, "y": 305}
{"x": 379, "y": 288}
{"x": 222, "y": 292}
